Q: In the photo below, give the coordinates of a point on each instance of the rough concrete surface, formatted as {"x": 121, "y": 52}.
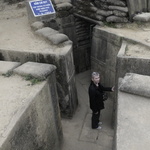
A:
{"x": 13, "y": 97}
{"x": 29, "y": 114}
{"x": 133, "y": 132}
{"x": 77, "y": 131}
{"x": 20, "y": 27}
{"x": 7, "y": 66}
{"x": 136, "y": 84}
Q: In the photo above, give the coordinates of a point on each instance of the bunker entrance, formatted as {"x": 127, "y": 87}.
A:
{"x": 82, "y": 47}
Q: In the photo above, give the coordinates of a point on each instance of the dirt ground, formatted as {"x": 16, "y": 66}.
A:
{"x": 15, "y": 30}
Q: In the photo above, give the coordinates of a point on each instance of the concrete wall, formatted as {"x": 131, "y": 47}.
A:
{"x": 133, "y": 113}
{"x": 132, "y": 64}
{"x": 108, "y": 56}
{"x": 141, "y": 6}
{"x": 61, "y": 57}
{"x": 35, "y": 123}
{"x": 62, "y": 22}
{"x": 105, "y": 47}
{"x": 148, "y": 5}
{"x": 64, "y": 74}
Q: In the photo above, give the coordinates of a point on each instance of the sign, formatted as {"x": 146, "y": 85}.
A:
{"x": 42, "y": 7}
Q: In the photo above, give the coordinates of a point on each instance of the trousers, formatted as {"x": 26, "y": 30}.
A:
{"x": 95, "y": 119}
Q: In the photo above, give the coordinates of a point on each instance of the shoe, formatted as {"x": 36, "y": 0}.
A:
{"x": 100, "y": 123}
{"x": 99, "y": 127}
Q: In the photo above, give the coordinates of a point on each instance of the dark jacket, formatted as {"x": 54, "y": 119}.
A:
{"x": 96, "y": 96}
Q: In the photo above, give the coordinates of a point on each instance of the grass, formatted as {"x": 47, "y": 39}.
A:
{"x": 33, "y": 79}
{"x": 8, "y": 74}
{"x": 110, "y": 24}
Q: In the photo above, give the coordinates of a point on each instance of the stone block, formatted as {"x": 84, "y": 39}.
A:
{"x": 144, "y": 17}
{"x": 136, "y": 84}
{"x": 8, "y": 66}
{"x": 37, "y": 70}
{"x": 37, "y": 25}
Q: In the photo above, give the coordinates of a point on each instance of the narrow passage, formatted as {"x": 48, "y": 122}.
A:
{"x": 77, "y": 131}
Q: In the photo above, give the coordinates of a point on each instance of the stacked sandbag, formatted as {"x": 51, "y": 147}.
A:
{"x": 103, "y": 10}
{"x": 63, "y": 8}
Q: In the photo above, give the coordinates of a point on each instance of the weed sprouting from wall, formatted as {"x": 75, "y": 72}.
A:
{"x": 33, "y": 79}
{"x": 110, "y": 24}
{"x": 8, "y": 74}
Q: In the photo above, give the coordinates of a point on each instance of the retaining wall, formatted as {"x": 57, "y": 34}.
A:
{"x": 30, "y": 117}
{"x": 133, "y": 113}
{"x": 114, "y": 55}
{"x": 58, "y": 53}
{"x": 105, "y": 47}
{"x": 141, "y": 6}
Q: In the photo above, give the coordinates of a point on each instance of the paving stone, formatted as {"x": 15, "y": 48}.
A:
{"x": 105, "y": 140}
{"x": 88, "y": 134}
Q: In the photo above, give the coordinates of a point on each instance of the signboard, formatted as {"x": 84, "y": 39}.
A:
{"x": 42, "y": 7}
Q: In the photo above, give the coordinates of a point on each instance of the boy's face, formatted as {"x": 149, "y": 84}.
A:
{"x": 96, "y": 79}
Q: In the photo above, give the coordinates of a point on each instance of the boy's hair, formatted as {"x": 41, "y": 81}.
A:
{"x": 95, "y": 74}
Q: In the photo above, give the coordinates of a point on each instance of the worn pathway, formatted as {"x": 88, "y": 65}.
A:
{"x": 77, "y": 131}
